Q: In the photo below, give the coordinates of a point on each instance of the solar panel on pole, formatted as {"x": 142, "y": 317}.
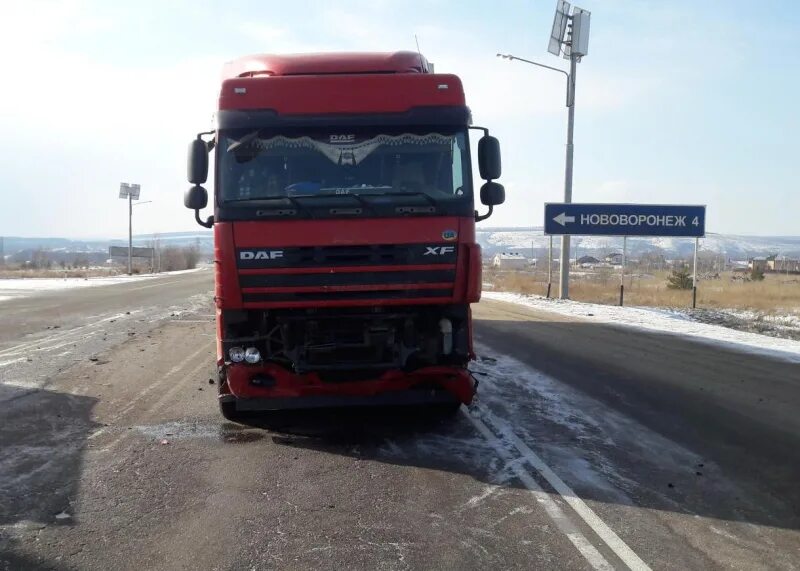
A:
{"x": 559, "y": 27}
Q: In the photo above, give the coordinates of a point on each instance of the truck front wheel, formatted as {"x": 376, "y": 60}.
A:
{"x": 446, "y": 410}
{"x": 229, "y": 412}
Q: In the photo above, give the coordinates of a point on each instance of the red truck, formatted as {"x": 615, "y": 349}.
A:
{"x": 344, "y": 231}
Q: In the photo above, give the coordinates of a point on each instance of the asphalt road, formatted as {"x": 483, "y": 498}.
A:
{"x": 590, "y": 447}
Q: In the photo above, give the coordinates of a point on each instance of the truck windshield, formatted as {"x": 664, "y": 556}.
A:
{"x": 432, "y": 164}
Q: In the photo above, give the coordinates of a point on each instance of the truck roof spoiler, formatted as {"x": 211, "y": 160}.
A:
{"x": 267, "y": 65}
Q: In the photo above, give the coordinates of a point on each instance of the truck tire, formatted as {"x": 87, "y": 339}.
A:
{"x": 229, "y": 412}
{"x": 446, "y": 410}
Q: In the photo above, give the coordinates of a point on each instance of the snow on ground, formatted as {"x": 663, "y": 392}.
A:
{"x": 662, "y": 321}
{"x": 575, "y": 433}
{"x": 11, "y": 288}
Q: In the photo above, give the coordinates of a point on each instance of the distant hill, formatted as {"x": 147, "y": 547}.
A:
{"x": 732, "y": 246}
{"x": 13, "y": 245}
{"x": 492, "y": 240}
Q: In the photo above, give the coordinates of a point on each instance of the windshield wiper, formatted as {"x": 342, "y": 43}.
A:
{"x": 291, "y": 200}
{"x": 357, "y": 196}
{"x": 431, "y": 200}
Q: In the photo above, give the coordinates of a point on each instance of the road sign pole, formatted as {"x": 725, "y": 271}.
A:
{"x": 564, "y": 276}
{"x": 550, "y": 267}
{"x": 694, "y": 274}
{"x": 130, "y": 234}
{"x": 622, "y": 278}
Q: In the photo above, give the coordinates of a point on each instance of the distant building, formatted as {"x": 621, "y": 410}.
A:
{"x": 758, "y": 264}
{"x": 614, "y": 259}
{"x": 783, "y": 264}
{"x": 511, "y": 261}
{"x": 587, "y": 262}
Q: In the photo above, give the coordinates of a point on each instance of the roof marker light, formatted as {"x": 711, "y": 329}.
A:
{"x": 442, "y": 86}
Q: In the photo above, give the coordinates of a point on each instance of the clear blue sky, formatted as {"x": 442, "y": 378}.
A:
{"x": 680, "y": 101}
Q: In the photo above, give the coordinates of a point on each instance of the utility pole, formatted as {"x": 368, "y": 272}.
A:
{"x": 563, "y": 284}
{"x": 573, "y": 45}
{"x": 130, "y": 235}
{"x": 131, "y": 192}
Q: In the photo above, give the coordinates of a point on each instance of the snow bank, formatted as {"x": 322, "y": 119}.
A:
{"x": 15, "y": 286}
{"x": 12, "y": 288}
{"x": 662, "y": 321}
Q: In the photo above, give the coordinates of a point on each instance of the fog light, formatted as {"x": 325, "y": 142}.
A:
{"x": 252, "y": 355}
{"x": 236, "y": 354}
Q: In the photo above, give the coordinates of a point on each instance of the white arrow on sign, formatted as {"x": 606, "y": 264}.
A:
{"x": 563, "y": 218}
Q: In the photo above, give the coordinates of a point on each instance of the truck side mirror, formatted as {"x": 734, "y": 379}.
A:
{"x": 196, "y": 197}
{"x": 489, "y": 158}
{"x": 197, "y": 172}
{"x": 492, "y": 194}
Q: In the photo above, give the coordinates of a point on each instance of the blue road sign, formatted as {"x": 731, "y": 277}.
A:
{"x": 624, "y": 219}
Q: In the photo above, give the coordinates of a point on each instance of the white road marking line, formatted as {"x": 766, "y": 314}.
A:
{"x": 43, "y": 348}
{"x": 60, "y": 336}
{"x": 28, "y": 345}
{"x": 564, "y": 524}
{"x": 619, "y": 547}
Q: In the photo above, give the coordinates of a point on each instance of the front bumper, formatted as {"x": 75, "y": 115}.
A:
{"x": 271, "y": 387}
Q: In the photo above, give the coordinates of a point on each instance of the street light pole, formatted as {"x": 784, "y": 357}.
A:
{"x": 130, "y": 235}
{"x": 131, "y": 192}
{"x": 573, "y": 46}
{"x": 563, "y": 285}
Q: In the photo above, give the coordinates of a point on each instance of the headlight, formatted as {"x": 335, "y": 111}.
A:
{"x": 236, "y": 354}
{"x": 252, "y": 355}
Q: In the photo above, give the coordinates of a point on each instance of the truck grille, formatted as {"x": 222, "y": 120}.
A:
{"x": 346, "y": 273}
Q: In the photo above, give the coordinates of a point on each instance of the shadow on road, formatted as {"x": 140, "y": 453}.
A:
{"x": 356, "y": 425}
{"x": 42, "y": 440}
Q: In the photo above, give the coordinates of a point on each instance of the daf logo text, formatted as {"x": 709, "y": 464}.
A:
{"x": 261, "y": 255}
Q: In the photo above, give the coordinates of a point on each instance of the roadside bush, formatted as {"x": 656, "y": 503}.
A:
{"x": 680, "y": 279}
{"x": 757, "y": 275}
{"x": 192, "y": 256}
{"x": 174, "y": 258}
